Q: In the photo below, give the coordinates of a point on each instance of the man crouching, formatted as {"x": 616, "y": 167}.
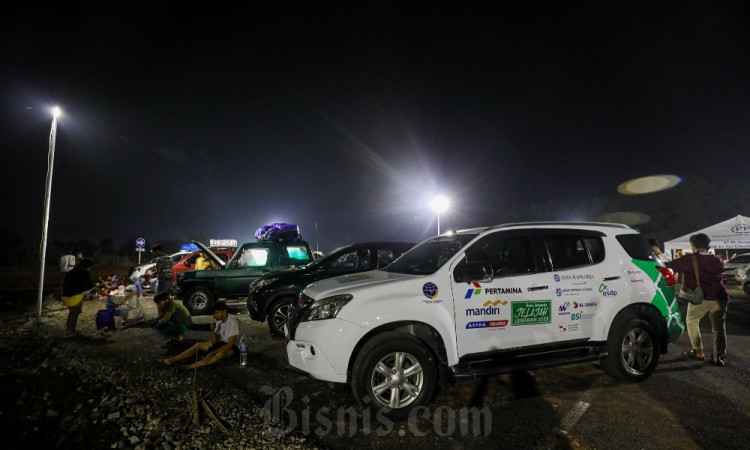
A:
{"x": 225, "y": 330}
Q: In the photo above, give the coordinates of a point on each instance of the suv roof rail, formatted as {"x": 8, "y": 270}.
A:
{"x": 561, "y": 223}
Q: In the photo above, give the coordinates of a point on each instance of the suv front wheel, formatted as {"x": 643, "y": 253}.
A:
{"x": 633, "y": 349}
{"x": 199, "y": 301}
{"x": 396, "y": 373}
{"x": 277, "y": 315}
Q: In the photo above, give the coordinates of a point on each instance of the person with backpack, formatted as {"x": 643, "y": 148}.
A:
{"x": 76, "y": 285}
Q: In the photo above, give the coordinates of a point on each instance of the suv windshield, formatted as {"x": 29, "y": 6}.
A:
{"x": 430, "y": 255}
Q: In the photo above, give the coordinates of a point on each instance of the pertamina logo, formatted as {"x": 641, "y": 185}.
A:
{"x": 476, "y": 291}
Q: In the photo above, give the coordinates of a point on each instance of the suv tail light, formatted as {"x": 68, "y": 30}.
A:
{"x": 667, "y": 273}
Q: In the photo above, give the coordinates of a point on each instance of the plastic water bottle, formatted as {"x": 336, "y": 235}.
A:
{"x": 243, "y": 352}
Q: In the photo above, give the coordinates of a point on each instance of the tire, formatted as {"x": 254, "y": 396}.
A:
{"x": 389, "y": 393}
{"x": 277, "y": 314}
{"x": 199, "y": 301}
{"x": 633, "y": 349}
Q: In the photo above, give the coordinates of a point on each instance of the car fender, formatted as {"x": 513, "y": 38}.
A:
{"x": 286, "y": 291}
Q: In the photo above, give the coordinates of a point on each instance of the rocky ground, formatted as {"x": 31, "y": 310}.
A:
{"x": 108, "y": 391}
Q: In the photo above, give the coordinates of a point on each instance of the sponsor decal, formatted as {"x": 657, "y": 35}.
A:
{"x": 350, "y": 278}
{"x": 572, "y": 277}
{"x": 638, "y": 280}
{"x": 563, "y": 329}
{"x": 497, "y": 324}
{"x": 475, "y": 291}
{"x": 606, "y": 291}
{"x": 488, "y": 311}
{"x": 531, "y": 312}
{"x": 634, "y": 272}
{"x": 577, "y": 305}
{"x": 430, "y": 290}
{"x": 741, "y": 228}
{"x": 502, "y": 291}
{"x": 558, "y": 292}
{"x": 563, "y": 309}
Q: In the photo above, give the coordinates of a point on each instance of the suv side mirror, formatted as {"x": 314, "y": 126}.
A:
{"x": 477, "y": 271}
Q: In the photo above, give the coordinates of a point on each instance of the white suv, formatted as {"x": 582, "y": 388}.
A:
{"x": 488, "y": 301}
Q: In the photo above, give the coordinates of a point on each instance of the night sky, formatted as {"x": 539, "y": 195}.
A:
{"x": 209, "y": 120}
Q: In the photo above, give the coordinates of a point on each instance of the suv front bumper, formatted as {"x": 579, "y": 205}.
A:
{"x": 323, "y": 348}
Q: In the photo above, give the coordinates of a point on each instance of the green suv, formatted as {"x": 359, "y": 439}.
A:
{"x": 199, "y": 289}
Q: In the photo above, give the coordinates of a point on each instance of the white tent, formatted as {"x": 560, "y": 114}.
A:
{"x": 730, "y": 234}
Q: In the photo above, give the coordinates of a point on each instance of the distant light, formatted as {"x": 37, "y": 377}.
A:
{"x": 625, "y": 217}
{"x": 56, "y": 112}
{"x": 649, "y": 184}
{"x": 440, "y": 204}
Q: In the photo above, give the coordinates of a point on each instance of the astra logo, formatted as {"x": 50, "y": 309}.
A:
{"x": 477, "y": 289}
{"x": 487, "y": 324}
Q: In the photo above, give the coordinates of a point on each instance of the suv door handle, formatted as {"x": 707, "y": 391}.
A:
{"x": 537, "y": 288}
{"x": 611, "y": 278}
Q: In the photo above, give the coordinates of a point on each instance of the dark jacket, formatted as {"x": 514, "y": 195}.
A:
{"x": 710, "y": 268}
{"x": 78, "y": 280}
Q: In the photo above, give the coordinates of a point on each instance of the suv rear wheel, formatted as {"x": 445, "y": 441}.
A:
{"x": 277, "y": 315}
{"x": 633, "y": 349}
{"x": 396, "y": 371}
{"x": 199, "y": 301}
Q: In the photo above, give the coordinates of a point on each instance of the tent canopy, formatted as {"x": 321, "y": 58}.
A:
{"x": 732, "y": 233}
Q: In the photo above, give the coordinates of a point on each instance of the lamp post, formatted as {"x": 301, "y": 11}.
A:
{"x": 50, "y": 165}
{"x": 439, "y": 204}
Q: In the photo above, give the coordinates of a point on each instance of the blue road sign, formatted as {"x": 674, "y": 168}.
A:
{"x": 140, "y": 242}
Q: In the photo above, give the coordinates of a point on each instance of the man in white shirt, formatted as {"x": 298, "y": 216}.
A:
{"x": 225, "y": 331}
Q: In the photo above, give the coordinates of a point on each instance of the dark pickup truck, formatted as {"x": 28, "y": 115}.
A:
{"x": 199, "y": 289}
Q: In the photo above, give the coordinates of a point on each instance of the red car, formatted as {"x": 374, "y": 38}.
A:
{"x": 187, "y": 262}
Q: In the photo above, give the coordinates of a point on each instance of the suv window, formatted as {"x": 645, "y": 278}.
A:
{"x": 507, "y": 255}
{"x": 297, "y": 253}
{"x": 385, "y": 257}
{"x": 637, "y": 247}
{"x": 567, "y": 251}
{"x": 253, "y": 257}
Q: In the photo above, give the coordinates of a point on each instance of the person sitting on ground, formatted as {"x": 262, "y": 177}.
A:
{"x": 174, "y": 319}
{"x": 130, "y": 309}
{"x": 225, "y": 330}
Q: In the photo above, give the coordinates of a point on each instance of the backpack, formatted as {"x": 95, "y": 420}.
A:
{"x": 105, "y": 320}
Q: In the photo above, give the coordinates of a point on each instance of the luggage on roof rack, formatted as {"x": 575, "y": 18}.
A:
{"x": 278, "y": 231}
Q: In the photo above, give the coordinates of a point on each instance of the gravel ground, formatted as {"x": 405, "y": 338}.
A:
{"x": 108, "y": 391}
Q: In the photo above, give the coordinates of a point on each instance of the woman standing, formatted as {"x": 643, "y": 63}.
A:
{"x": 715, "y": 300}
{"x": 76, "y": 284}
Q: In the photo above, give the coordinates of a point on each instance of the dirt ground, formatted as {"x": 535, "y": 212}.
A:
{"x": 109, "y": 391}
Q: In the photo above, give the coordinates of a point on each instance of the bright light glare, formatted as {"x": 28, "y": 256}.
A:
{"x": 56, "y": 112}
{"x": 440, "y": 204}
{"x": 630, "y": 218}
{"x": 647, "y": 185}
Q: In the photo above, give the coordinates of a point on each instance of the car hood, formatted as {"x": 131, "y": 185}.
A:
{"x": 211, "y": 254}
{"x": 353, "y": 282}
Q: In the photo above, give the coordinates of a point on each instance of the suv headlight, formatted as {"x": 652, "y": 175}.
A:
{"x": 262, "y": 282}
{"x": 328, "y": 308}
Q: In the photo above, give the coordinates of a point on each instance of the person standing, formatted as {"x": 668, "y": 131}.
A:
{"x": 76, "y": 285}
{"x": 203, "y": 262}
{"x": 67, "y": 262}
{"x": 655, "y": 246}
{"x": 225, "y": 330}
{"x": 715, "y": 300}
{"x": 163, "y": 270}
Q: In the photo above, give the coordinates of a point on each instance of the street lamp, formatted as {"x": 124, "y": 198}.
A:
{"x": 50, "y": 165}
{"x": 439, "y": 204}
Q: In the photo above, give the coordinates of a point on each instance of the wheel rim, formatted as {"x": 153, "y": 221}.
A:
{"x": 637, "y": 351}
{"x": 397, "y": 380}
{"x": 198, "y": 301}
{"x": 280, "y": 315}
